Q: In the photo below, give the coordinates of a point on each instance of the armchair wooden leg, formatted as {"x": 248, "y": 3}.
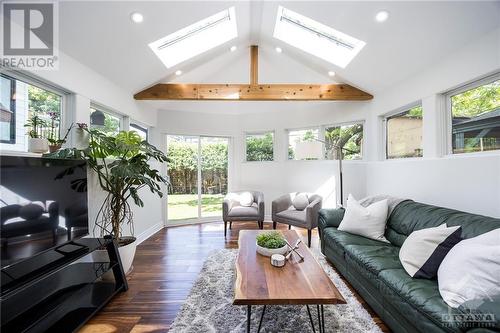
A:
{"x": 225, "y": 229}
{"x": 309, "y": 231}
{"x": 69, "y": 233}
{"x": 261, "y": 225}
{"x": 274, "y": 225}
{"x": 230, "y": 225}
{"x": 289, "y": 227}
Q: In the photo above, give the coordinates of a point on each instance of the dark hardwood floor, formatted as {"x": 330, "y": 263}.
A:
{"x": 165, "y": 267}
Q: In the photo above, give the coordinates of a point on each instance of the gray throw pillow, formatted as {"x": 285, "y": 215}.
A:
{"x": 301, "y": 201}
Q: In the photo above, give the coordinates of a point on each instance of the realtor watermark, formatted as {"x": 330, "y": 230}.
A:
{"x": 30, "y": 36}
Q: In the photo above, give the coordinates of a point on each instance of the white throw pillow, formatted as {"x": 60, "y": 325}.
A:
{"x": 246, "y": 199}
{"x": 300, "y": 201}
{"x": 423, "y": 250}
{"x": 470, "y": 272}
{"x": 365, "y": 221}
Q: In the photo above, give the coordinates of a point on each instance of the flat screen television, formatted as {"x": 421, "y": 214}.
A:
{"x": 43, "y": 204}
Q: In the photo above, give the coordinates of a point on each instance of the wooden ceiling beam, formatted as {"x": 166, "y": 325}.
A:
{"x": 254, "y": 64}
{"x": 256, "y": 92}
{"x": 253, "y": 91}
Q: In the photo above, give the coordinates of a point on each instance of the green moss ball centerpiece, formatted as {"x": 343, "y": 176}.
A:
{"x": 272, "y": 242}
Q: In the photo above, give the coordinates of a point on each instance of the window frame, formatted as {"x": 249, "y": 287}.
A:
{"x": 65, "y": 117}
{"x": 449, "y": 112}
{"x": 136, "y": 126}
{"x": 347, "y": 123}
{"x": 263, "y": 132}
{"x": 391, "y": 114}
{"x": 12, "y": 106}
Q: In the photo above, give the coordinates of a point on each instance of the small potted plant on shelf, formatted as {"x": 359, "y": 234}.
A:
{"x": 36, "y": 142}
{"x": 55, "y": 142}
{"x": 122, "y": 165}
{"x": 272, "y": 242}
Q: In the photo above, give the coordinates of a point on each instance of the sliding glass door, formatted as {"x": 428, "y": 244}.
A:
{"x": 198, "y": 177}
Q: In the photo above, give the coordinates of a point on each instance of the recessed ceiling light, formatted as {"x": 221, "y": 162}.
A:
{"x": 278, "y": 49}
{"x": 233, "y": 48}
{"x": 136, "y": 17}
{"x": 382, "y": 16}
{"x": 178, "y": 72}
{"x": 331, "y": 73}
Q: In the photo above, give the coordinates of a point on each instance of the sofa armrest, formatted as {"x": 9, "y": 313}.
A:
{"x": 330, "y": 218}
{"x": 312, "y": 211}
{"x": 259, "y": 200}
{"x": 281, "y": 204}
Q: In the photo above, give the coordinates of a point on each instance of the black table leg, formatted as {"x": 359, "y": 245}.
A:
{"x": 320, "y": 329}
{"x": 323, "y": 318}
{"x": 261, "y": 317}
{"x": 249, "y": 314}
{"x": 310, "y": 318}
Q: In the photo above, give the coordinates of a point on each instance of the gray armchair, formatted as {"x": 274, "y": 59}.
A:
{"x": 232, "y": 210}
{"x": 284, "y": 212}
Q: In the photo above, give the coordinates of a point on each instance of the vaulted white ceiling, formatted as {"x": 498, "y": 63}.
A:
{"x": 417, "y": 34}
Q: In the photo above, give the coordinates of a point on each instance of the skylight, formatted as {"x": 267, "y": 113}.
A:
{"x": 316, "y": 38}
{"x": 196, "y": 38}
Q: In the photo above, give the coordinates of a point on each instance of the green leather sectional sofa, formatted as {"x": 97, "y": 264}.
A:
{"x": 373, "y": 268}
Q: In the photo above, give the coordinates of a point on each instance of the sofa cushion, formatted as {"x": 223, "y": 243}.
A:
{"x": 375, "y": 258}
{"x": 293, "y": 214}
{"x": 243, "y": 211}
{"x": 421, "y": 295}
{"x": 409, "y": 216}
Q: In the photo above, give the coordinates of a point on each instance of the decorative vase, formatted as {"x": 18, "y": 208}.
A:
{"x": 81, "y": 139}
{"x": 38, "y": 145}
{"x": 54, "y": 148}
{"x": 269, "y": 252}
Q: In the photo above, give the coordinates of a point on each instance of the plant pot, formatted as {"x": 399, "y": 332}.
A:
{"x": 38, "y": 145}
{"x": 127, "y": 254}
{"x": 54, "y": 148}
{"x": 269, "y": 252}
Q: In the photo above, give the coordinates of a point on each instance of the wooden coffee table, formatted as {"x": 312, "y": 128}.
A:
{"x": 297, "y": 283}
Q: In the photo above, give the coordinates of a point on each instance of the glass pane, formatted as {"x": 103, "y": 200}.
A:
{"x": 476, "y": 119}
{"x": 214, "y": 160}
{"x": 348, "y": 137}
{"x": 47, "y": 106}
{"x": 7, "y": 110}
{"x": 112, "y": 123}
{"x": 182, "y": 152}
{"x": 143, "y": 132}
{"x": 404, "y": 134}
{"x": 298, "y": 136}
{"x": 259, "y": 147}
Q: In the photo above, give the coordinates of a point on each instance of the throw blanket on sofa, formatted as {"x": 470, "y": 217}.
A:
{"x": 392, "y": 202}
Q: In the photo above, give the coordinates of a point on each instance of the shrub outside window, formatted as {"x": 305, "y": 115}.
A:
{"x": 259, "y": 146}
{"x": 404, "y": 134}
{"x": 476, "y": 118}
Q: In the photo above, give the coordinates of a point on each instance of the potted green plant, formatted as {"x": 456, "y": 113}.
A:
{"x": 271, "y": 242}
{"x": 36, "y": 142}
{"x": 55, "y": 142}
{"x": 122, "y": 166}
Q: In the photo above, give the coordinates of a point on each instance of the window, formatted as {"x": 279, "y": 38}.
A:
{"x": 297, "y": 136}
{"x": 196, "y": 38}
{"x": 260, "y": 146}
{"x": 142, "y": 131}
{"x": 105, "y": 121}
{"x": 315, "y": 38}
{"x": 404, "y": 134}
{"x": 476, "y": 117}
{"x": 8, "y": 110}
{"x": 348, "y": 137}
{"x": 20, "y": 102}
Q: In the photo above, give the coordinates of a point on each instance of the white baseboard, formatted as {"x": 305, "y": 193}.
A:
{"x": 149, "y": 232}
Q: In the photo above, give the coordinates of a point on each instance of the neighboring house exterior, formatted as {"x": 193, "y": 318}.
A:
{"x": 21, "y": 116}
{"x": 404, "y": 137}
{"x": 478, "y": 133}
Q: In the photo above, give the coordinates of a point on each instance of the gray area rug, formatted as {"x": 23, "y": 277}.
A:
{"x": 209, "y": 307}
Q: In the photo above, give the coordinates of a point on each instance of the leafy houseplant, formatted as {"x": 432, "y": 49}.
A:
{"x": 272, "y": 242}
{"x": 55, "y": 142}
{"x": 122, "y": 166}
{"x": 36, "y": 142}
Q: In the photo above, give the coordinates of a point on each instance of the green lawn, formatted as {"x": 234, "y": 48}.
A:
{"x": 185, "y": 206}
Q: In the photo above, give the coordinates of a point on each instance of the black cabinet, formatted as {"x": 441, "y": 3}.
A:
{"x": 57, "y": 291}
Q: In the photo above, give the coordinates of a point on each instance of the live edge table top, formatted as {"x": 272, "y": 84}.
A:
{"x": 298, "y": 282}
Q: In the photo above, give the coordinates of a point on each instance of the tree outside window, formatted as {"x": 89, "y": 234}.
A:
{"x": 260, "y": 147}
{"x": 348, "y": 137}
